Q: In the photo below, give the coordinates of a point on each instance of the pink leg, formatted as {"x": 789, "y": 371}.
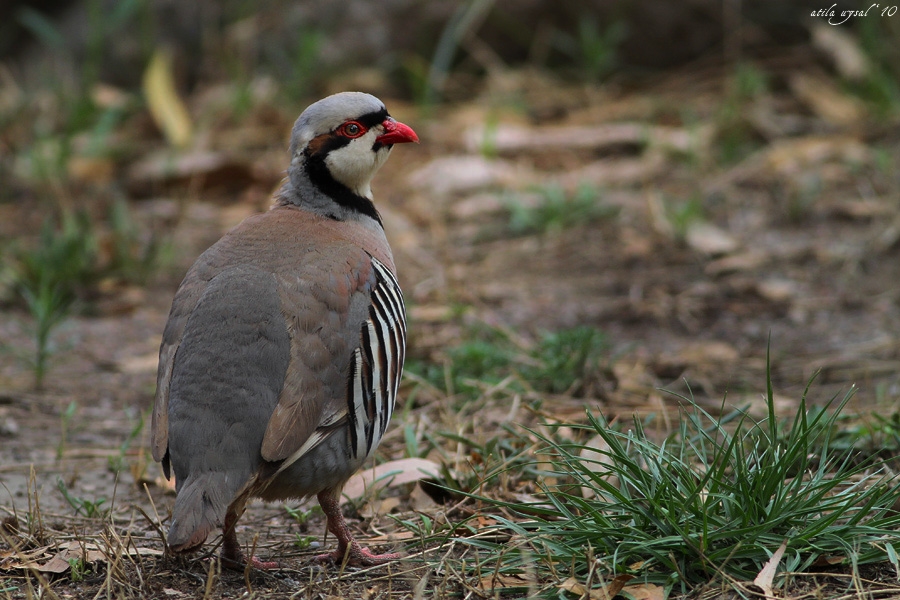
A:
{"x": 232, "y": 556}
{"x": 348, "y": 547}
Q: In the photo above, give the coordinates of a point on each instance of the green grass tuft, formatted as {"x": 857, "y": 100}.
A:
{"x": 49, "y": 278}
{"x": 558, "y": 210}
{"x": 564, "y": 361}
{"x": 712, "y": 501}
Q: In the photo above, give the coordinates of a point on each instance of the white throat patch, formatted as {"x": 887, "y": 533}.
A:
{"x": 355, "y": 164}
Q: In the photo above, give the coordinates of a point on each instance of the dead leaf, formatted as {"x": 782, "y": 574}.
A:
{"x": 849, "y": 58}
{"x": 596, "y": 458}
{"x": 166, "y": 107}
{"x": 790, "y": 157}
{"x": 420, "y": 500}
{"x": 828, "y": 561}
{"x": 700, "y": 353}
{"x": 710, "y": 239}
{"x": 484, "y": 522}
{"x": 109, "y": 96}
{"x": 756, "y": 405}
{"x": 745, "y": 261}
{"x": 379, "y": 507}
{"x": 643, "y": 591}
{"x": 826, "y": 100}
{"x": 863, "y": 208}
{"x": 60, "y": 563}
{"x": 633, "y": 375}
{"x": 13, "y": 559}
{"x": 389, "y": 474}
{"x": 777, "y": 289}
{"x": 499, "y": 581}
{"x": 95, "y": 170}
{"x": 766, "y": 576}
{"x": 607, "y": 592}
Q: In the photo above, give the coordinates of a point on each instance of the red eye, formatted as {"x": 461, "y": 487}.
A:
{"x": 351, "y": 129}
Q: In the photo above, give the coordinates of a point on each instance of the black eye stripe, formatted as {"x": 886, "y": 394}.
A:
{"x": 372, "y": 119}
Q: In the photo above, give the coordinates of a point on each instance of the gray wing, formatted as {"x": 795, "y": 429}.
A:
{"x": 226, "y": 374}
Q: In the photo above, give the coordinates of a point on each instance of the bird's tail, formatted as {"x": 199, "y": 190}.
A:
{"x": 199, "y": 508}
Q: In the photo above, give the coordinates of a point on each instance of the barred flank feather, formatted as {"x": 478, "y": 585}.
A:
{"x": 377, "y": 364}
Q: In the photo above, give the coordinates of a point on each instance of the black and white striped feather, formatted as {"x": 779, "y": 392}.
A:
{"x": 377, "y": 364}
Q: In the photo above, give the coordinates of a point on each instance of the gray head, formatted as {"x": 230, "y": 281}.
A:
{"x": 330, "y": 112}
{"x": 338, "y": 144}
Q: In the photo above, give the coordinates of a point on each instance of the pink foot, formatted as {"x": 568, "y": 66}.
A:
{"x": 233, "y": 557}
{"x": 263, "y": 565}
{"x": 358, "y": 557}
{"x": 348, "y": 548}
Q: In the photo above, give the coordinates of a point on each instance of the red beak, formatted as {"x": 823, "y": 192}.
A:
{"x": 396, "y": 132}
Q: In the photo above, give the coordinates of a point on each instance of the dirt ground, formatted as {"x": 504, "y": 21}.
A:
{"x": 696, "y": 266}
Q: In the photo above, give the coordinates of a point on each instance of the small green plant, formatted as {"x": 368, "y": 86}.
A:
{"x": 65, "y": 422}
{"x": 300, "y": 516}
{"x": 118, "y": 462}
{"x": 6, "y": 588}
{"x": 713, "y": 501}
{"x": 422, "y": 526}
{"x": 76, "y": 110}
{"x": 565, "y": 360}
{"x": 558, "y": 210}
{"x": 488, "y": 145}
{"x": 681, "y": 214}
{"x": 593, "y": 49}
{"x": 560, "y": 361}
{"x": 467, "y": 17}
{"x": 598, "y": 49}
{"x": 78, "y": 569}
{"x": 735, "y": 137}
{"x": 89, "y": 508}
{"x": 501, "y": 459}
{"x": 880, "y": 85}
{"x": 64, "y": 266}
{"x": 302, "y": 542}
{"x": 50, "y": 276}
{"x": 414, "y": 71}
{"x": 297, "y": 66}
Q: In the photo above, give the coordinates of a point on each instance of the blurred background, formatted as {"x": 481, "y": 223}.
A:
{"x": 610, "y": 198}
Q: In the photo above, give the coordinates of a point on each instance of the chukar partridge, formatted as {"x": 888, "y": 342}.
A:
{"x": 281, "y": 358}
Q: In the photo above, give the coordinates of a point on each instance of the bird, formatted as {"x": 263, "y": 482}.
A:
{"x": 281, "y": 359}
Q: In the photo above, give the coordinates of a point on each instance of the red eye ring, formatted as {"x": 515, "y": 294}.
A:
{"x": 352, "y": 129}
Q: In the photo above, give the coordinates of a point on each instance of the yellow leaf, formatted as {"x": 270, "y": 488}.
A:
{"x": 166, "y": 107}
